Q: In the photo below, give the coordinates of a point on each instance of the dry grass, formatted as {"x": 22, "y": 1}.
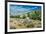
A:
{"x": 17, "y": 24}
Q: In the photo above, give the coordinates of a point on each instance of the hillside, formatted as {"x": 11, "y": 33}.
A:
{"x": 27, "y": 20}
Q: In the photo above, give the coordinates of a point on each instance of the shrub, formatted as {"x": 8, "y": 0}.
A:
{"x": 19, "y": 25}
{"x": 36, "y": 15}
{"x": 30, "y": 25}
{"x": 12, "y": 27}
{"x": 24, "y": 16}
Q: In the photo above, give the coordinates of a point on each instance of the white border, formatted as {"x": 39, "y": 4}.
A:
{"x": 29, "y": 29}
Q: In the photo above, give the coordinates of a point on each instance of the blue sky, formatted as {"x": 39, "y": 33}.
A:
{"x": 21, "y": 9}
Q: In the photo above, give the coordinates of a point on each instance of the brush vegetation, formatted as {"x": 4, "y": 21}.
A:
{"x": 27, "y": 20}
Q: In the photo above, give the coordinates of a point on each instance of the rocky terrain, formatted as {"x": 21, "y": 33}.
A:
{"x": 16, "y": 23}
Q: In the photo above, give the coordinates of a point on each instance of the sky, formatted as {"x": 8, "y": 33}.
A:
{"x": 21, "y": 9}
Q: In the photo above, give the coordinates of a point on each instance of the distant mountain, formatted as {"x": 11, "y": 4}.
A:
{"x": 22, "y": 9}
{"x": 15, "y": 14}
